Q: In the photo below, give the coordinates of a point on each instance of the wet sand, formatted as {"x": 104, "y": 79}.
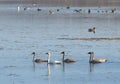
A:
{"x": 90, "y": 38}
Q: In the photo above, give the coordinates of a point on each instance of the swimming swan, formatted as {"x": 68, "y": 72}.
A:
{"x": 49, "y": 61}
{"x": 68, "y": 60}
{"x": 37, "y": 60}
{"x": 98, "y": 60}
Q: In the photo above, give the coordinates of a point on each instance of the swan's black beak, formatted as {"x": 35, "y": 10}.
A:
{"x": 90, "y": 52}
{"x": 33, "y": 53}
{"x": 46, "y": 53}
{"x": 62, "y": 52}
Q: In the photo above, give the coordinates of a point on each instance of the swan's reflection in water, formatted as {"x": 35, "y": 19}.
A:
{"x": 34, "y": 66}
{"x": 91, "y": 65}
{"x": 63, "y": 67}
{"x": 48, "y": 70}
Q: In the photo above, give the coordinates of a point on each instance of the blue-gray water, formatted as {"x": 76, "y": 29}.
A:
{"x": 22, "y": 32}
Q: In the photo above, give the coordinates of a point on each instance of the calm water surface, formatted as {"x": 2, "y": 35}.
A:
{"x": 22, "y": 32}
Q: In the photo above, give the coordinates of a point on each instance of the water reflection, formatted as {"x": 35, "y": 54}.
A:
{"x": 48, "y": 70}
{"x": 63, "y": 67}
{"x": 34, "y": 66}
{"x": 91, "y": 65}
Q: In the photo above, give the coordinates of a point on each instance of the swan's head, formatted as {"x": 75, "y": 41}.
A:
{"x": 33, "y": 53}
{"x": 90, "y": 52}
{"x": 63, "y": 52}
{"x": 48, "y": 53}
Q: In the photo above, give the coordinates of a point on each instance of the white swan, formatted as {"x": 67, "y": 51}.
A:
{"x": 38, "y": 60}
{"x": 18, "y": 8}
{"x": 98, "y": 60}
{"x": 49, "y": 61}
{"x": 68, "y": 60}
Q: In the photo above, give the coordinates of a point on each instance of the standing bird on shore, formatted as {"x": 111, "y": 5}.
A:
{"x": 89, "y": 11}
{"x": 38, "y": 60}
{"x": 39, "y": 9}
{"x": 92, "y": 30}
{"x": 113, "y": 10}
{"x": 97, "y": 60}
{"x": 51, "y": 12}
{"x": 68, "y": 60}
{"x": 49, "y": 60}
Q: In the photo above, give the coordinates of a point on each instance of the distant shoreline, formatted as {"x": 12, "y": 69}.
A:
{"x": 56, "y": 3}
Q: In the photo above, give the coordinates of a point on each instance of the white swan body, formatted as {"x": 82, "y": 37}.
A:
{"x": 68, "y": 60}
{"x": 97, "y": 60}
{"x": 54, "y": 62}
{"x": 38, "y": 60}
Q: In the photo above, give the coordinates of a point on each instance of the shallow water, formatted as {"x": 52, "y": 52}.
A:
{"x": 22, "y": 32}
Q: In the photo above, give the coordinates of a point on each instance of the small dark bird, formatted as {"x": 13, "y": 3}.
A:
{"x": 58, "y": 10}
{"x": 68, "y": 7}
{"x": 76, "y": 10}
{"x": 68, "y": 60}
{"x": 39, "y": 9}
{"x": 92, "y": 30}
{"x": 89, "y": 11}
{"x": 38, "y": 60}
{"x": 98, "y": 60}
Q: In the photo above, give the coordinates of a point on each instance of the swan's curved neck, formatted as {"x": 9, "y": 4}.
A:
{"x": 34, "y": 57}
{"x": 63, "y": 57}
{"x": 48, "y": 66}
{"x": 91, "y": 57}
{"x": 49, "y": 57}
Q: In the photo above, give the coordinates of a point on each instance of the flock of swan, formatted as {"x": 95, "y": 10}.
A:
{"x": 67, "y": 60}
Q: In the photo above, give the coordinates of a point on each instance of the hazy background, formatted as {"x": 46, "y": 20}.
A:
{"x": 65, "y": 2}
